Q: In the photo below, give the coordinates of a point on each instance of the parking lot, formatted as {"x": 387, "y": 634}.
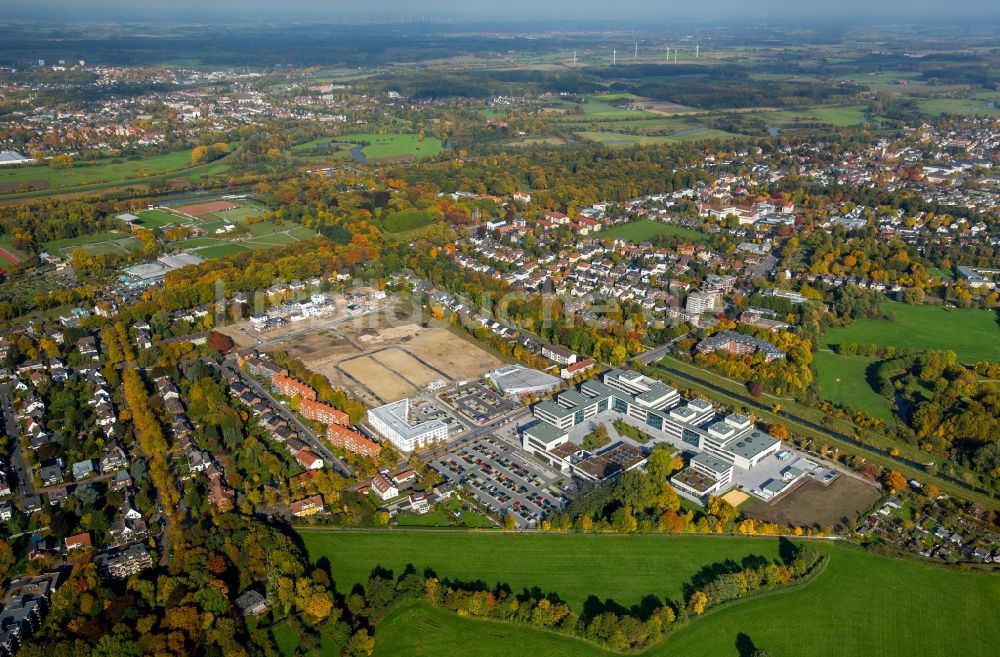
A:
{"x": 502, "y": 480}
{"x": 424, "y": 410}
{"x": 478, "y": 403}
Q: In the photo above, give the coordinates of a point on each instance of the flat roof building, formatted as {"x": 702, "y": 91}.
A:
{"x": 520, "y": 380}
{"x": 392, "y": 422}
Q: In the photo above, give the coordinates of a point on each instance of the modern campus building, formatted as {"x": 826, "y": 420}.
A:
{"x": 721, "y": 444}
{"x": 392, "y": 422}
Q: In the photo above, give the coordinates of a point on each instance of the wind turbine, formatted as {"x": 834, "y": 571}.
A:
{"x": 614, "y": 56}
{"x": 697, "y": 48}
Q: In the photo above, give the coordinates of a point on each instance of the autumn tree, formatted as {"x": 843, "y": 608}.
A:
{"x": 895, "y": 481}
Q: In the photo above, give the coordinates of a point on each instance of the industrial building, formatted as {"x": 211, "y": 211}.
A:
{"x": 520, "y": 380}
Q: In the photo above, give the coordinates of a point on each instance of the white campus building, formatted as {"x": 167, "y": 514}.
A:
{"x": 392, "y": 422}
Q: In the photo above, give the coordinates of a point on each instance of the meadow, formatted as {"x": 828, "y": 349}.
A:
{"x": 622, "y": 568}
{"x": 382, "y": 146}
{"x": 845, "y": 115}
{"x": 971, "y": 333}
{"x": 105, "y": 170}
{"x": 645, "y": 229}
{"x": 861, "y": 604}
{"x": 843, "y": 380}
{"x": 693, "y": 133}
{"x": 977, "y": 105}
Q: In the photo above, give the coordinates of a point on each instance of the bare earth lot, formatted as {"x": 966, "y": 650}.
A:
{"x": 377, "y": 378}
{"x": 379, "y": 357}
{"x": 814, "y": 505}
{"x": 451, "y": 354}
{"x": 412, "y": 370}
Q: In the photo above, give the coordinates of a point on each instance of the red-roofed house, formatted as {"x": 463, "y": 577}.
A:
{"x": 308, "y": 460}
{"x": 570, "y": 371}
{"x": 310, "y": 506}
{"x": 78, "y": 542}
{"x": 289, "y": 387}
{"x": 313, "y": 410}
{"x": 352, "y": 441}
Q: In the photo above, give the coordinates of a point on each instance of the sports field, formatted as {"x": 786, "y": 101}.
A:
{"x": 843, "y": 380}
{"x": 645, "y": 229}
{"x": 114, "y": 242}
{"x": 861, "y": 605}
{"x": 970, "y": 333}
{"x": 574, "y": 566}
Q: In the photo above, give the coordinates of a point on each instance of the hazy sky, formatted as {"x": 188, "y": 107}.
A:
{"x": 510, "y": 10}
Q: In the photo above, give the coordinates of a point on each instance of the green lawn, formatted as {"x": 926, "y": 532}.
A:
{"x": 976, "y": 105}
{"x": 105, "y": 170}
{"x": 623, "y": 568}
{"x": 861, "y": 605}
{"x": 843, "y": 380}
{"x": 153, "y": 219}
{"x": 115, "y": 242}
{"x": 385, "y": 146}
{"x": 645, "y": 229}
{"x": 219, "y": 251}
{"x": 288, "y": 640}
{"x": 972, "y": 334}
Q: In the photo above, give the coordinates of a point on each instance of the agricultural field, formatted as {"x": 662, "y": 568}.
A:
{"x": 861, "y": 604}
{"x": 620, "y": 568}
{"x": 114, "y": 242}
{"x": 693, "y": 133}
{"x": 603, "y": 106}
{"x": 971, "y": 333}
{"x": 844, "y": 380}
{"x": 645, "y": 229}
{"x": 847, "y": 115}
{"x": 980, "y": 104}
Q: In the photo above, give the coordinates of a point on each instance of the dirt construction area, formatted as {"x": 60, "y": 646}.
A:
{"x": 812, "y": 504}
{"x": 380, "y": 362}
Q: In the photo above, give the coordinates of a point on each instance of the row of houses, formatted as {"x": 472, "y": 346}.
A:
{"x": 338, "y": 430}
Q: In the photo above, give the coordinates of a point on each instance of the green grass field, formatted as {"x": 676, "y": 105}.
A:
{"x": 153, "y": 219}
{"x": 842, "y": 380}
{"x": 107, "y": 170}
{"x": 977, "y": 105}
{"x": 972, "y": 334}
{"x": 861, "y": 605}
{"x": 384, "y": 146}
{"x": 623, "y": 568}
{"x": 115, "y": 242}
{"x": 288, "y": 640}
{"x": 645, "y": 229}
{"x": 839, "y": 116}
{"x": 693, "y": 133}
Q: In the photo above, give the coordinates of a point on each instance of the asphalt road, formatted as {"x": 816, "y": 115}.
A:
{"x": 19, "y": 467}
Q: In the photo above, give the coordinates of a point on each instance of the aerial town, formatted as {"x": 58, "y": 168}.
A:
{"x": 321, "y": 350}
